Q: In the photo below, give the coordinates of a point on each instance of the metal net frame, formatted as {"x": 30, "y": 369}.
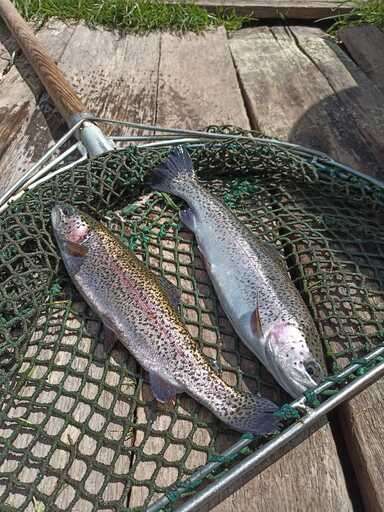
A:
{"x": 79, "y": 429}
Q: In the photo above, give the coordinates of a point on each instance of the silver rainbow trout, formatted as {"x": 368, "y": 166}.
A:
{"x": 250, "y": 279}
{"x": 139, "y": 308}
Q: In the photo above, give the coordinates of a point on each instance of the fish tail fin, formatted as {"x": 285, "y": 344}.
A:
{"x": 174, "y": 173}
{"x": 252, "y": 414}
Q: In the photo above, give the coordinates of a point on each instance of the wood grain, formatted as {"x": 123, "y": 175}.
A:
{"x": 29, "y": 123}
{"x": 366, "y": 46}
{"x": 361, "y": 420}
{"x": 117, "y": 77}
{"x": 301, "y": 88}
{"x": 289, "y": 9}
{"x": 59, "y": 90}
{"x": 197, "y": 82}
{"x": 281, "y": 487}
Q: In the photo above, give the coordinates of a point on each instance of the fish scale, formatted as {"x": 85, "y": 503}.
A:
{"x": 250, "y": 279}
{"x": 133, "y": 304}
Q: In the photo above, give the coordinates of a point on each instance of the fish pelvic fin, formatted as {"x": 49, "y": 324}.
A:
{"x": 252, "y": 414}
{"x": 162, "y": 390}
{"x": 174, "y": 172}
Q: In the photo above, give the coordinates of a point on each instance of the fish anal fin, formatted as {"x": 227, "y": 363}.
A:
{"x": 188, "y": 218}
{"x": 74, "y": 249}
{"x": 162, "y": 390}
{"x": 109, "y": 339}
{"x": 172, "y": 292}
{"x": 256, "y": 323}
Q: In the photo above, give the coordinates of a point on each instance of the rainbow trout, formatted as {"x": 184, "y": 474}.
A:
{"x": 139, "y": 308}
{"x": 250, "y": 279}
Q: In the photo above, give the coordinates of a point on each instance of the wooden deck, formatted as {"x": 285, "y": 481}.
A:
{"x": 279, "y": 9}
{"x": 292, "y": 82}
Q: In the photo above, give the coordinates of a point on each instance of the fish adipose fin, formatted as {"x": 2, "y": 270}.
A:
{"x": 175, "y": 170}
{"x": 172, "y": 292}
{"x": 162, "y": 390}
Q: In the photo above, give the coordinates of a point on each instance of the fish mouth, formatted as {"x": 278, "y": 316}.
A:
{"x": 293, "y": 379}
{"x": 294, "y": 382}
{"x": 298, "y": 388}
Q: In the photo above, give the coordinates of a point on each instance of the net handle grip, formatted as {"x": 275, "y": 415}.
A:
{"x": 54, "y": 81}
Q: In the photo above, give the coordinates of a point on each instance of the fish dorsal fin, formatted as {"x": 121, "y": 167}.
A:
{"x": 256, "y": 321}
{"x": 172, "y": 292}
{"x": 74, "y": 249}
{"x": 274, "y": 254}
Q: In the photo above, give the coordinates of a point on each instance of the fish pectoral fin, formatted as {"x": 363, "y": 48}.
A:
{"x": 256, "y": 322}
{"x": 74, "y": 249}
{"x": 162, "y": 390}
{"x": 172, "y": 292}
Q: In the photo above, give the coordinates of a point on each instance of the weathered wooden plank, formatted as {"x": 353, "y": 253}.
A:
{"x": 308, "y": 91}
{"x": 366, "y": 107}
{"x": 362, "y": 423}
{"x": 289, "y": 9}
{"x": 366, "y": 46}
{"x": 275, "y": 66}
{"x": 194, "y": 92}
{"x": 115, "y": 76}
{"x": 27, "y": 122}
{"x": 29, "y": 126}
{"x": 282, "y": 486}
{"x": 197, "y": 82}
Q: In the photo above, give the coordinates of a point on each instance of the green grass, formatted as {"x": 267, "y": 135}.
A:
{"x": 131, "y": 15}
{"x": 369, "y": 11}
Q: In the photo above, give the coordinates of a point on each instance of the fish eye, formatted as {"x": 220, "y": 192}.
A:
{"x": 313, "y": 369}
{"x": 66, "y": 211}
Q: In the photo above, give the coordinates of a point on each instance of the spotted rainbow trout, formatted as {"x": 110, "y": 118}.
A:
{"x": 139, "y": 308}
{"x": 250, "y": 279}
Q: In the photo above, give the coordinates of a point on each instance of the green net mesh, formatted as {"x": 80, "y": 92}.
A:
{"x": 79, "y": 429}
